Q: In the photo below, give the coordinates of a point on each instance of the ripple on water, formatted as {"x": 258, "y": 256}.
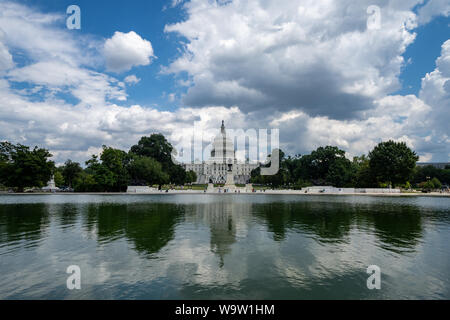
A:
{"x": 224, "y": 247}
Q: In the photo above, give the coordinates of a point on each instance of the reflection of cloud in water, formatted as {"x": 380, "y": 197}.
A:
{"x": 227, "y": 247}
{"x": 358, "y": 232}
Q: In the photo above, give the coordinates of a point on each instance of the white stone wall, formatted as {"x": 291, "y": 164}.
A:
{"x": 328, "y": 189}
{"x": 218, "y": 171}
{"x": 140, "y": 189}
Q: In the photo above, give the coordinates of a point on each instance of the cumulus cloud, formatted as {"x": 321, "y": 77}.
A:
{"x": 314, "y": 56}
{"x": 433, "y": 8}
{"x": 6, "y": 60}
{"x": 421, "y": 122}
{"x": 394, "y": 117}
{"x": 36, "y": 34}
{"x": 315, "y": 70}
{"x": 55, "y": 53}
{"x": 436, "y": 92}
{"x": 132, "y": 79}
{"x": 78, "y": 132}
{"x": 126, "y": 50}
{"x": 71, "y": 110}
{"x": 89, "y": 87}
{"x": 310, "y": 68}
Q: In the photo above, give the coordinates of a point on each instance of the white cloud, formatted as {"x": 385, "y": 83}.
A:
{"x": 315, "y": 56}
{"x": 44, "y": 112}
{"x": 126, "y": 50}
{"x": 89, "y": 87}
{"x": 176, "y": 3}
{"x": 77, "y": 132}
{"x": 6, "y": 61}
{"x": 36, "y": 34}
{"x": 420, "y": 122}
{"x": 434, "y": 8}
{"x": 315, "y": 71}
{"x": 173, "y": 4}
{"x": 395, "y": 117}
{"x": 436, "y": 93}
{"x": 259, "y": 56}
{"x": 55, "y": 53}
{"x": 132, "y": 79}
{"x": 426, "y": 157}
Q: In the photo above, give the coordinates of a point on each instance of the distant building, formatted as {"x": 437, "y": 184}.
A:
{"x": 438, "y": 165}
{"x": 223, "y": 160}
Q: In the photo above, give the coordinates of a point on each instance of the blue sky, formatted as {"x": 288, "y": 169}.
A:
{"x": 315, "y": 70}
{"x": 148, "y": 18}
{"x": 101, "y": 18}
{"x": 423, "y": 54}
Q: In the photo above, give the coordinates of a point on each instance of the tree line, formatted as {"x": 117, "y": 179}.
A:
{"x": 150, "y": 163}
{"x": 147, "y": 163}
{"x": 388, "y": 164}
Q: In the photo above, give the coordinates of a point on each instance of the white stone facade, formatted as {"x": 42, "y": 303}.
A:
{"x": 222, "y": 161}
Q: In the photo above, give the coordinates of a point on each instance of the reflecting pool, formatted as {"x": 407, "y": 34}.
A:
{"x": 224, "y": 246}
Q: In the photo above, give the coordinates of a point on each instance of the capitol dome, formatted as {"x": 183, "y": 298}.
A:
{"x": 222, "y": 167}
{"x": 222, "y": 148}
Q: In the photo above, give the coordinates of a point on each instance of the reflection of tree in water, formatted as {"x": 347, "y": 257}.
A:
{"x": 326, "y": 220}
{"x": 395, "y": 225}
{"x": 23, "y": 222}
{"x": 149, "y": 225}
{"x": 278, "y": 218}
{"x": 66, "y": 213}
{"x": 398, "y": 227}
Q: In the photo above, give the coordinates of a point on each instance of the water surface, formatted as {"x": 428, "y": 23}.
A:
{"x": 224, "y": 246}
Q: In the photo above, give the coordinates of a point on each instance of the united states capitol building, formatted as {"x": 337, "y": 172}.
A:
{"x": 222, "y": 162}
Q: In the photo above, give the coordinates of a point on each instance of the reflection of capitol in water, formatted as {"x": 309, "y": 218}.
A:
{"x": 223, "y": 247}
{"x": 227, "y": 223}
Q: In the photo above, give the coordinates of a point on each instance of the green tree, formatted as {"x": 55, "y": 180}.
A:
{"x": 341, "y": 173}
{"x": 59, "y": 179}
{"x": 407, "y": 185}
{"x": 436, "y": 183}
{"x": 275, "y": 181}
{"x": 363, "y": 175}
{"x": 116, "y": 161}
{"x": 157, "y": 147}
{"x": 291, "y": 164}
{"x": 177, "y": 174}
{"x": 325, "y": 165}
{"x": 85, "y": 182}
{"x": 429, "y": 172}
{"x": 22, "y": 167}
{"x": 70, "y": 171}
{"x": 323, "y": 158}
{"x": 191, "y": 176}
{"x": 428, "y": 185}
{"x": 392, "y": 162}
{"x": 103, "y": 179}
{"x": 146, "y": 171}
